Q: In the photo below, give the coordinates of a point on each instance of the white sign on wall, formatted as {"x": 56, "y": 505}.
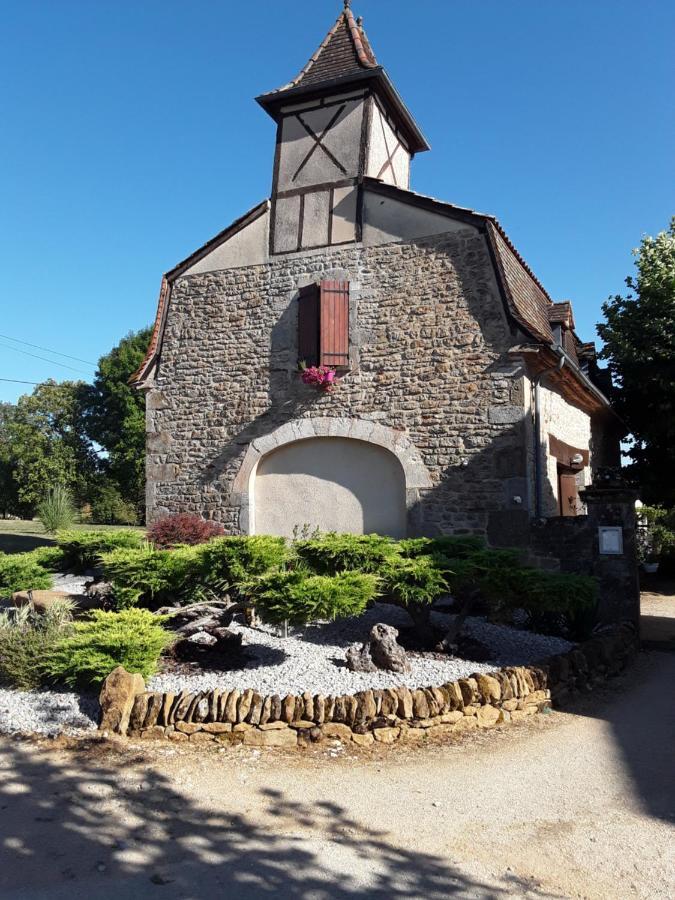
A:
{"x": 610, "y": 540}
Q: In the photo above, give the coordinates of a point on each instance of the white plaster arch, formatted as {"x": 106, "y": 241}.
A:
{"x": 396, "y": 441}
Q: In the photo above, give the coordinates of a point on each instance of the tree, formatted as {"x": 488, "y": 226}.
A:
{"x": 9, "y": 493}
{"x": 48, "y": 444}
{"x": 639, "y": 336}
{"x": 115, "y": 416}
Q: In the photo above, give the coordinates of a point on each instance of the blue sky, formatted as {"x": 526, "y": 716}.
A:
{"x": 130, "y": 136}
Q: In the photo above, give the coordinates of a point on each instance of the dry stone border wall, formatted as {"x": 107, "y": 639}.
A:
{"x": 479, "y": 701}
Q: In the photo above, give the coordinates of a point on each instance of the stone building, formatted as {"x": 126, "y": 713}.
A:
{"x": 463, "y": 401}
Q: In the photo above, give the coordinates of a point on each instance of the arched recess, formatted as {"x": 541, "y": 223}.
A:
{"x": 342, "y": 472}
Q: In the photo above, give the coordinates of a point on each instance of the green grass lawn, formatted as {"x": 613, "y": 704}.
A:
{"x": 22, "y": 535}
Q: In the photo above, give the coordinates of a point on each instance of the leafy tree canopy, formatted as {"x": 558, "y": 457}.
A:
{"x": 639, "y": 336}
{"x": 115, "y": 415}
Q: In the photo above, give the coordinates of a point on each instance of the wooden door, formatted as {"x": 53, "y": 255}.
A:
{"x": 568, "y": 494}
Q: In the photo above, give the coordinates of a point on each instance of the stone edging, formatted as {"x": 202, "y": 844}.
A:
{"x": 247, "y": 717}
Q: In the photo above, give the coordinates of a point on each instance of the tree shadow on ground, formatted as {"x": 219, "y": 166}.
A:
{"x": 92, "y": 825}
{"x": 23, "y": 543}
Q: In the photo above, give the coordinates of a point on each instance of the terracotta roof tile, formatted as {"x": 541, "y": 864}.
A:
{"x": 344, "y": 51}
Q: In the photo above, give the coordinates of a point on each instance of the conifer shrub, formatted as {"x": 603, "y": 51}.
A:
{"x": 298, "y": 597}
{"x": 133, "y": 638}
{"x": 20, "y": 572}
{"x": 331, "y": 552}
{"x": 152, "y": 576}
{"x": 182, "y": 528}
{"x": 83, "y": 549}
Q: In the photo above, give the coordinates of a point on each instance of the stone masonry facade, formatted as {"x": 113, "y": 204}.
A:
{"x": 429, "y": 344}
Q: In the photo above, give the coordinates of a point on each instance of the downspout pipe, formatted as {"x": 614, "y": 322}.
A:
{"x": 538, "y": 474}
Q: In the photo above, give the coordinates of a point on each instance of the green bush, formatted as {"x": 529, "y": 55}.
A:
{"x": 331, "y": 553}
{"x": 298, "y": 598}
{"x": 413, "y": 581}
{"x": 192, "y": 573}
{"x": 27, "y": 639}
{"x": 49, "y": 557}
{"x": 83, "y": 549}
{"x": 457, "y": 546}
{"x": 149, "y": 575}
{"x": 133, "y": 638}
{"x": 56, "y": 510}
{"x": 229, "y": 562}
{"x": 19, "y": 572}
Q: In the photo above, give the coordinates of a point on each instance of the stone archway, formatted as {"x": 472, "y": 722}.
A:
{"x": 366, "y": 479}
{"x": 329, "y": 483}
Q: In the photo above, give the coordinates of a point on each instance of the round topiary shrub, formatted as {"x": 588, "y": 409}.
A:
{"x": 183, "y": 528}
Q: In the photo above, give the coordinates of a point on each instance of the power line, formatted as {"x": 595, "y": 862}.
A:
{"x": 45, "y": 359}
{"x": 47, "y": 350}
{"x": 16, "y": 381}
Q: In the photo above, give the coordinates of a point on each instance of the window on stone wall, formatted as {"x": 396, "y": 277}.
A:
{"x": 323, "y": 324}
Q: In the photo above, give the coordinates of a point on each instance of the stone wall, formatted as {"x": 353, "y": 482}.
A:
{"x": 480, "y": 701}
{"x": 429, "y": 340}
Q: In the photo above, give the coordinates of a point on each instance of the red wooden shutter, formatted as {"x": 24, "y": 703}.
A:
{"x": 308, "y": 325}
{"x": 334, "y": 331}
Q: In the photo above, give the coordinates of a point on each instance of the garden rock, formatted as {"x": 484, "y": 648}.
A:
{"x": 42, "y": 600}
{"x": 99, "y": 594}
{"x": 217, "y": 648}
{"x": 381, "y": 652}
{"x": 117, "y": 697}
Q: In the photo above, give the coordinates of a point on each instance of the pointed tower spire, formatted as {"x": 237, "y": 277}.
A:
{"x": 340, "y": 120}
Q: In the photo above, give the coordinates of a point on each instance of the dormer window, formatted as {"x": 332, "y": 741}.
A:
{"x": 323, "y": 324}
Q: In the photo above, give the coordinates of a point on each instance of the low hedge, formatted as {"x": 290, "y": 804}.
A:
{"x": 83, "y": 549}
{"x": 21, "y": 572}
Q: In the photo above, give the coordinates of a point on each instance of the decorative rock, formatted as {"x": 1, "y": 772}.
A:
{"x": 469, "y": 689}
{"x": 155, "y": 732}
{"x": 466, "y": 723}
{"x": 242, "y": 726}
{"x": 420, "y": 705}
{"x": 177, "y": 736}
{"x": 256, "y": 709}
{"x": 510, "y": 705}
{"x": 117, "y": 697}
{"x": 440, "y": 699}
{"x": 214, "y": 696}
{"x": 180, "y": 707}
{"x": 222, "y": 703}
{"x": 489, "y": 688}
{"x": 154, "y": 708}
{"x": 412, "y": 734}
{"x": 390, "y": 702}
{"x": 308, "y": 702}
{"x": 319, "y": 709}
{"x": 217, "y": 727}
{"x": 42, "y": 600}
{"x": 367, "y": 708}
{"x": 487, "y": 716}
{"x": 275, "y": 711}
{"x": 266, "y": 711}
{"x": 351, "y": 709}
{"x": 139, "y": 711}
{"x": 385, "y": 651}
{"x": 200, "y": 737}
{"x": 288, "y": 708}
{"x": 337, "y": 730}
{"x": 440, "y": 730}
{"x": 275, "y": 738}
{"x": 405, "y": 703}
{"x": 339, "y": 710}
{"x": 302, "y": 724}
{"x": 363, "y": 740}
{"x": 192, "y": 708}
{"x": 201, "y": 710}
{"x": 386, "y": 735}
{"x": 167, "y": 705}
{"x": 188, "y": 727}
{"x": 299, "y": 709}
{"x": 244, "y": 705}
{"x": 358, "y": 658}
{"x": 451, "y": 718}
{"x": 434, "y": 707}
{"x": 273, "y": 726}
{"x": 231, "y": 706}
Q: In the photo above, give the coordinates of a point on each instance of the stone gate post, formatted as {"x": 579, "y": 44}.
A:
{"x": 611, "y": 517}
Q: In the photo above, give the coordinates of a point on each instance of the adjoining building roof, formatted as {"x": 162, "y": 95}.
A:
{"x": 345, "y": 59}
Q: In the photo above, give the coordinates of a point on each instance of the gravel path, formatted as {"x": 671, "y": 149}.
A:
{"x": 312, "y": 658}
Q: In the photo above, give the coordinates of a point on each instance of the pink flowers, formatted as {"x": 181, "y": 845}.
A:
{"x": 320, "y": 377}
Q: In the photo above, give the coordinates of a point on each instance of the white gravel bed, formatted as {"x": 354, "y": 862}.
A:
{"x": 312, "y": 658}
{"x": 72, "y": 584}
{"x": 47, "y": 712}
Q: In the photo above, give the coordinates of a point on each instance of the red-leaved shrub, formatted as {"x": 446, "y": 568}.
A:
{"x": 183, "y": 528}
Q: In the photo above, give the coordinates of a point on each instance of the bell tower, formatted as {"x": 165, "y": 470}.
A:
{"x": 338, "y": 121}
